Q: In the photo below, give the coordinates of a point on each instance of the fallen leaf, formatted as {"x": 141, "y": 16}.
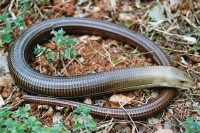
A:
{"x": 88, "y": 100}
{"x": 95, "y": 38}
{"x": 167, "y": 116}
{"x": 153, "y": 121}
{"x": 197, "y": 85}
{"x": 96, "y": 9}
{"x": 127, "y": 8}
{"x": 157, "y": 13}
{"x": 163, "y": 131}
{"x": 138, "y": 3}
{"x": 1, "y": 101}
{"x": 191, "y": 40}
{"x": 113, "y": 4}
{"x": 126, "y": 17}
{"x": 84, "y": 39}
{"x": 154, "y": 94}
{"x": 117, "y": 99}
{"x": 174, "y": 4}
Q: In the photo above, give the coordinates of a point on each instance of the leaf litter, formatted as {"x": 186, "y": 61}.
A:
{"x": 174, "y": 27}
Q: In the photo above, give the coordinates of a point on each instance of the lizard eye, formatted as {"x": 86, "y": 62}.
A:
{"x": 182, "y": 82}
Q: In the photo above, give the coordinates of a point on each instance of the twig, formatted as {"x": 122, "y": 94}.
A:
{"x": 127, "y": 114}
{"x": 14, "y": 89}
{"x": 10, "y": 10}
{"x": 67, "y": 117}
{"x": 105, "y": 130}
{"x": 108, "y": 55}
{"x": 96, "y": 50}
{"x": 177, "y": 120}
{"x": 67, "y": 65}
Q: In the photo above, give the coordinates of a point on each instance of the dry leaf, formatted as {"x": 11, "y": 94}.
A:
{"x": 119, "y": 98}
{"x": 113, "y": 4}
{"x": 1, "y": 101}
{"x": 96, "y": 9}
{"x": 88, "y": 100}
{"x": 191, "y": 40}
{"x": 84, "y": 39}
{"x": 170, "y": 111}
{"x": 174, "y": 4}
{"x": 95, "y": 38}
{"x": 163, "y": 131}
{"x": 126, "y": 17}
{"x": 167, "y": 116}
{"x": 153, "y": 121}
{"x": 127, "y": 8}
{"x": 197, "y": 85}
{"x": 154, "y": 94}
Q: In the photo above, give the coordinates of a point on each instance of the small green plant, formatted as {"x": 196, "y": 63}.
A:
{"x": 84, "y": 120}
{"x": 38, "y": 50}
{"x": 19, "y": 121}
{"x": 28, "y": 3}
{"x": 192, "y": 125}
{"x": 50, "y": 56}
{"x": 60, "y": 40}
{"x": 9, "y": 25}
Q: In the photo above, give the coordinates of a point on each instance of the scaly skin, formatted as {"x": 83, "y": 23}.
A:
{"x": 98, "y": 83}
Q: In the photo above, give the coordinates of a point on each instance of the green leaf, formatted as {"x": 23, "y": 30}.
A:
{"x": 196, "y": 47}
{"x": 50, "y": 56}
{"x": 77, "y": 126}
{"x": 23, "y": 8}
{"x": 5, "y": 112}
{"x": 19, "y": 21}
{"x": 4, "y": 17}
{"x": 57, "y": 128}
{"x": 68, "y": 52}
{"x": 157, "y": 13}
{"x": 38, "y": 50}
{"x": 75, "y": 40}
{"x": 7, "y": 38}
{"x": 22, "y": 112}
{"x": 127, "y": 23}
{"x": 46, "y": 130}
{"x": 90, "y": 123}
{"x": 21, "y": 127}
{"x": 9, "y": 122}
{"x": 198, "y": 34}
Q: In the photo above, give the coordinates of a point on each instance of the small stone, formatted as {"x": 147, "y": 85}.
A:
{"x": 81, "y": 59}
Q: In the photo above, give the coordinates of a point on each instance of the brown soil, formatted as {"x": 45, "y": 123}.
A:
{"x": 94, "y": 55}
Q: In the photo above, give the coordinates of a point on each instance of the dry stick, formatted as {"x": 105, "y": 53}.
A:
{"x": 191, "y": 69}
{"x": 177, "y": 120}
{"x": 17, "y": 4}
{"x": 35, "y": 6}
{"x": 79, "y": 51}
{"x": 108, "y": 55}
{"x": 96, "y": 50}
{"x": 10, "y": 10}
{"x": 78, "y": 62}
{"x": 180, "y": 51}
{"x": 14, "y": 89}
{"x": 108, "y": 125}
{"x": 67, "y": 65}
{"x": 53, "y": 68}
{"x": 164, "y": 32}
{"x": 67, "y": 117}
{"x": 127, "y": 114}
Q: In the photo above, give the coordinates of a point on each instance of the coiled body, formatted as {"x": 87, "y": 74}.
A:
{"x": 92, "y": 84}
